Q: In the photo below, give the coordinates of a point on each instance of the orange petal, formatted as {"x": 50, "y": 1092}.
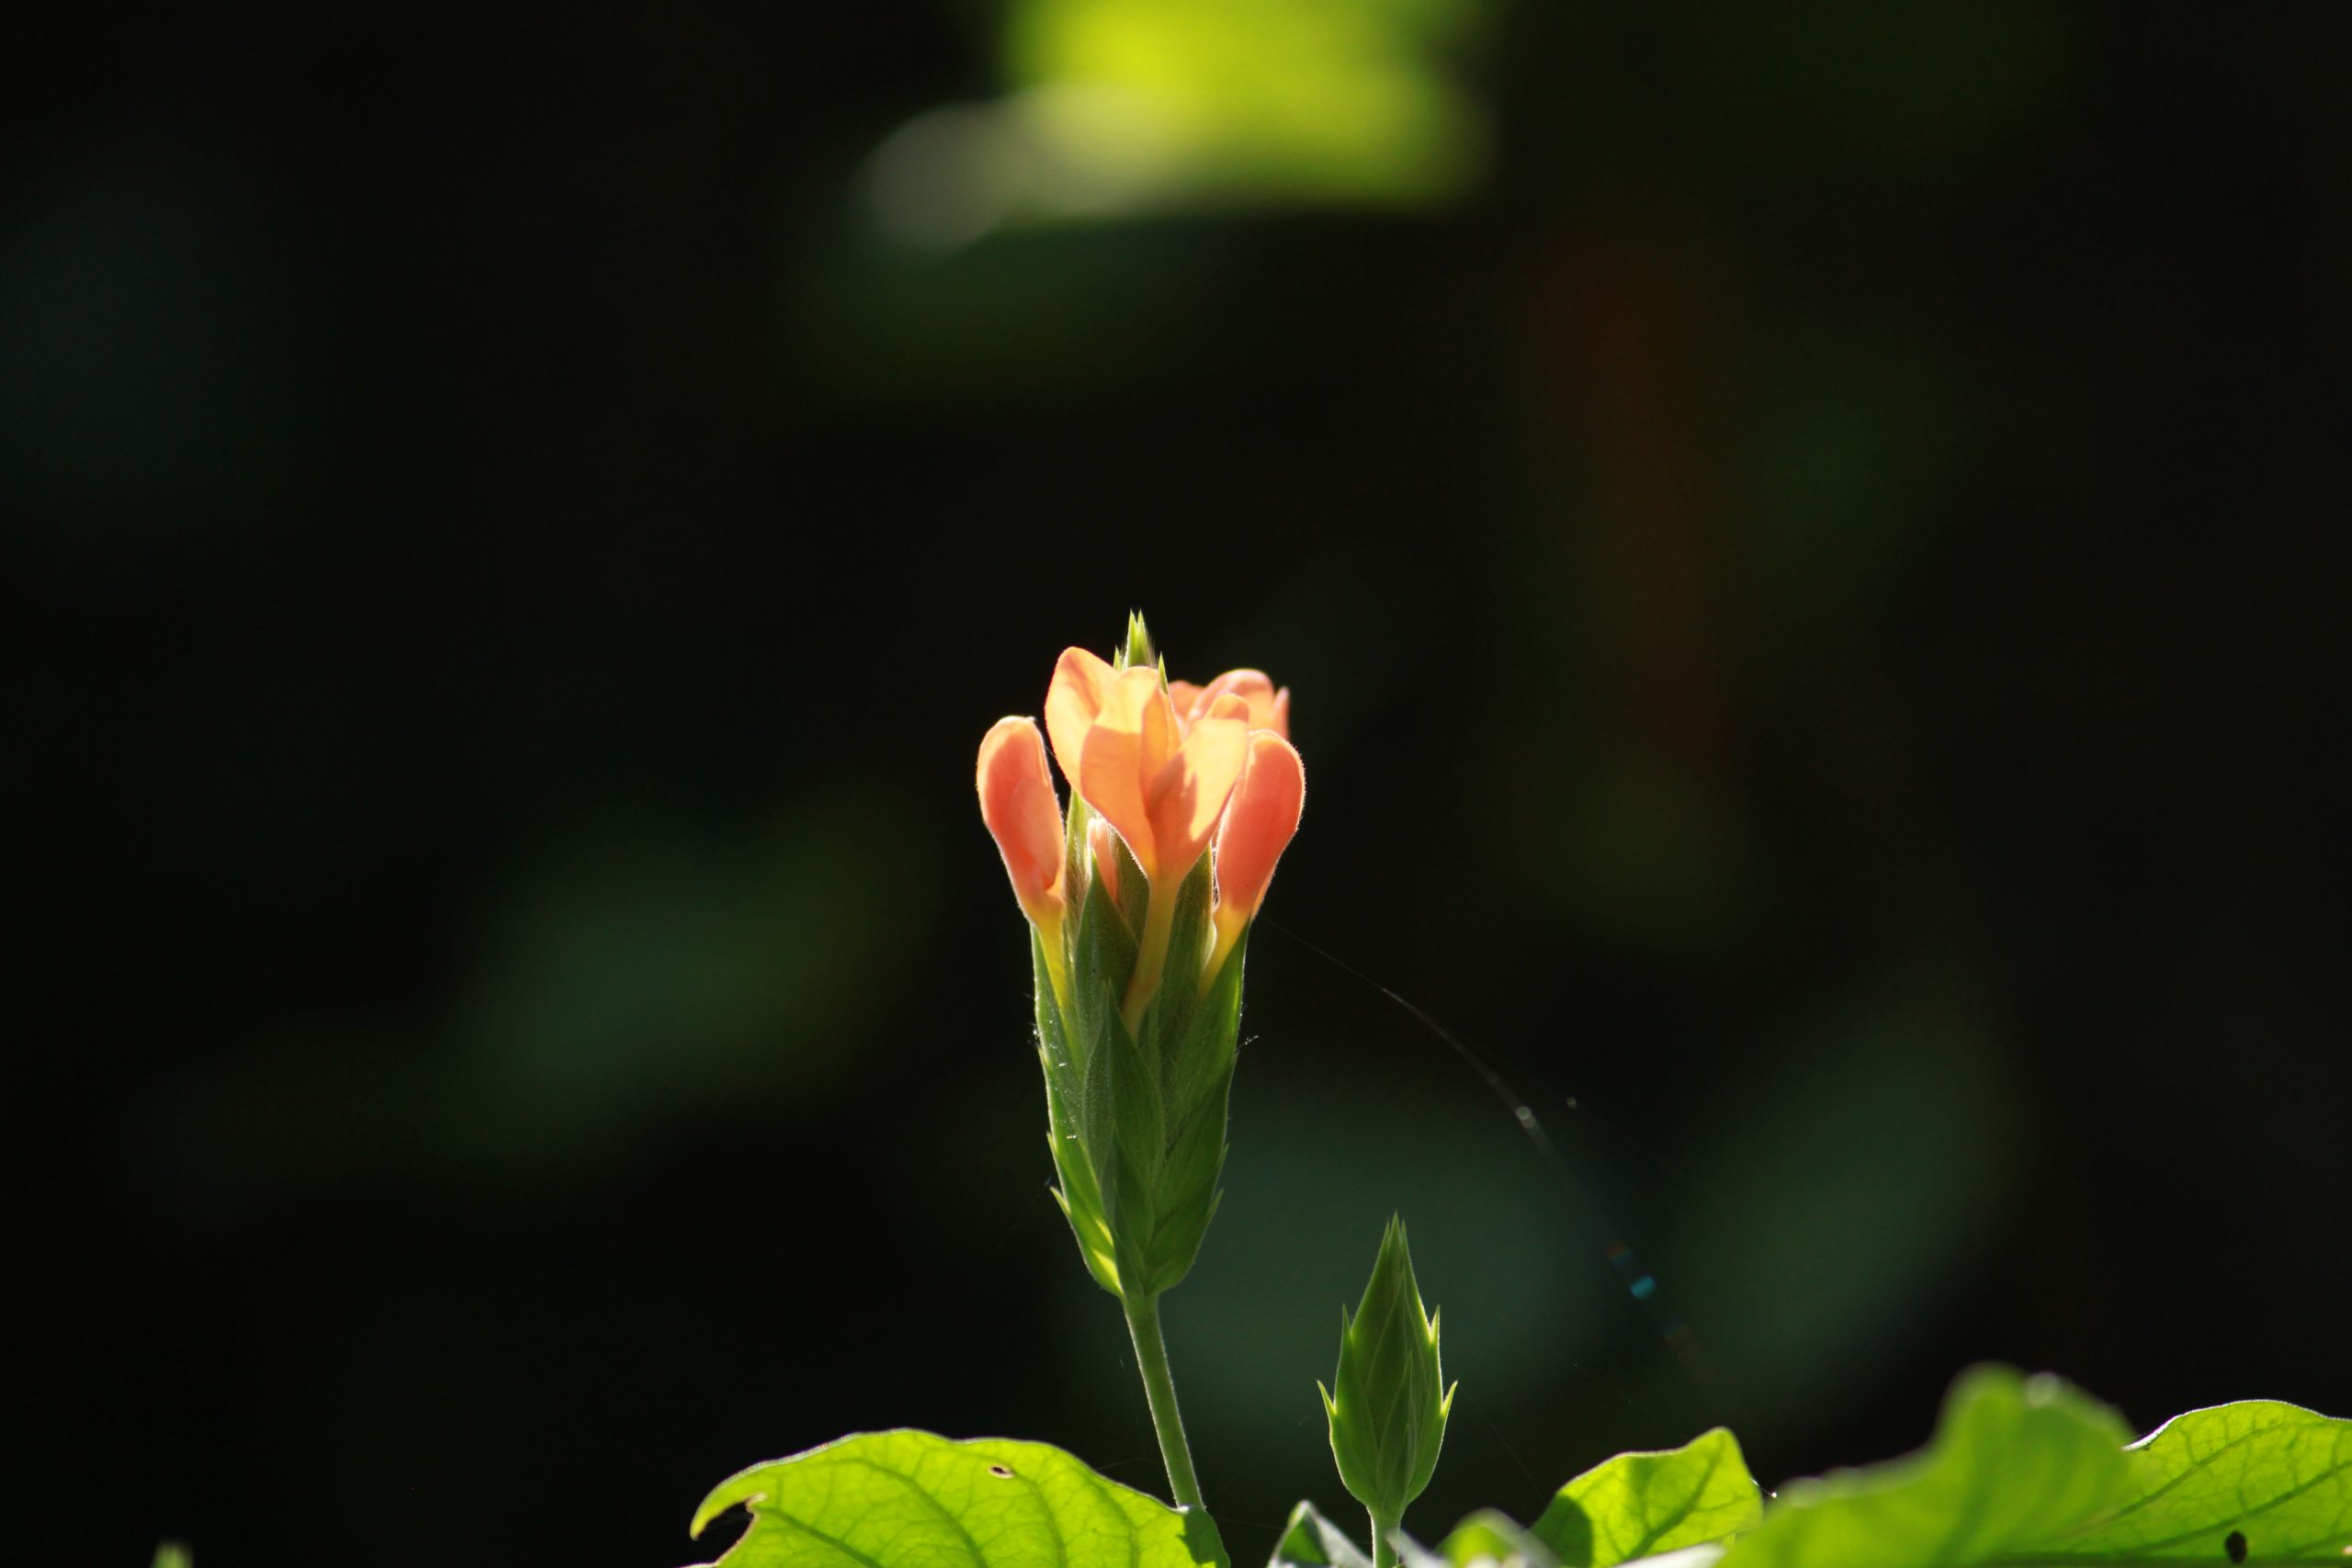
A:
{"x": 1258, "y": 827}
{"x": 1182, "y": 695}
{"x": 1081, "y": 681}
{"x": 1105, "y": 845}
{"x": 1131, "y": 739}
{"x": 1268, "y": 708}
{"x": 1188, "y": 791}
{"x": 1017, "y": 803}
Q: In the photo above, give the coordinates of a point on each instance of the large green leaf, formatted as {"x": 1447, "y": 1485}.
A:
{"x": 2255, "y": 1483}
{"x": 1638, "y": 1505}
{"x": 909, "y": 1499}
{"x": 2015, "y": 1464}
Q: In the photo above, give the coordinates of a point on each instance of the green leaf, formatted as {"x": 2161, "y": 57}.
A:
{"x": 1488, "y": 1536}
{"x": 1310, "y": 1540}
{"x": 1637, "y": 1505}
{"x": 172, "y": 1554}
{"x": 2255, "y": 1483}
{"x": 2016, "y": 1463}
{"x": 909, "y": 1499}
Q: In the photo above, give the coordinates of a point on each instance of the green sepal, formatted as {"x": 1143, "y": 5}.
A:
{"x": 1388, "y": 1403}
{"x": 1136, "y": 649}
{"x": 1127, "y": 1130}
{"x": 1103, "y": 960}
{"x": 1079, "y": 1195}
{"x": 1198, "y": 1092}
{"x": 1189, "y": 1056}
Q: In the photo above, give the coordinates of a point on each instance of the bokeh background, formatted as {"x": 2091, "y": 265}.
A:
{"x": 1804, "y": 542}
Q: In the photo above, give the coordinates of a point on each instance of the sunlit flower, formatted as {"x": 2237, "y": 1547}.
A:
{"x": 1181, "y": 801}
{"x": 1168, "y": 769}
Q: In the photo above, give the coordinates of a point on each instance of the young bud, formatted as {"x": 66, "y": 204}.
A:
{"x": 1138, "y": 654}
{"x": 1388, "y": 1401}
{"x": 1140, "y": 894}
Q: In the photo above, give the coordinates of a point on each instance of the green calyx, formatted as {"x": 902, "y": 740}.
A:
{"x": 1137, "y": 1104}
{"x": 1388, "y": 1401}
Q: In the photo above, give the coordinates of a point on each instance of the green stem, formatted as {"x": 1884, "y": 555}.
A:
{"x": 1159, "y": 1390}
{"x": 1384, "y": 1552}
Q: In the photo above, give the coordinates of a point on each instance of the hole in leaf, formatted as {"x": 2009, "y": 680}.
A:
{"x": 2235, "y": 1546}
{"x": 1000, "y": 1471}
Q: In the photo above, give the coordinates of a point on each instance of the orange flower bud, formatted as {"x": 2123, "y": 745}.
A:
{"x": 1023, "y": 815}
{"x": 1199, "y": 785}
{"x": 1259, "y": 822}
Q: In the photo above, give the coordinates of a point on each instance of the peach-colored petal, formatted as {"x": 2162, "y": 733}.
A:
{"x": 1131, "y": 739}
{"x": 1080, "y": 680}
{"x": 1189, "y": 792}
{"x": 1251, "y": 686}
{"x": 1258, "y": 825}
{"x": 1017, "y": 802}
{"x": 1105, "y": 845}
{"x": 1182, "y": 695}
{"x": 1280, "y": 722}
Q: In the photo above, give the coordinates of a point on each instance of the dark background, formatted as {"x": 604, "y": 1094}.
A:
{"x": 1810, "y": 587}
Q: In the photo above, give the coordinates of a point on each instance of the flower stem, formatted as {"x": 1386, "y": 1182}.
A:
{"x": 1384, "y": 1552}
{"x": 1159, "y": 1390}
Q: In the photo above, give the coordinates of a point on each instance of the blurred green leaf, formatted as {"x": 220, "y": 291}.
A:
{"x": 1302, "y": 98}
{"x": 1129, "y": 105}
{"x": 1488, "y": 1536}
{"x": 909, "y": 1499}
{"x": 2015, "y": 1464}
{"x": 2253, "y": 1482}
{"x": 1310, "y": 1540}
{"x": 1640, "y": 1504}
{"x": 172, "y": 1554}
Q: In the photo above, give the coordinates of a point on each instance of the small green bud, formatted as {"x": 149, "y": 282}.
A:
{"x": 1388, "y": 1401}
{"x": 1137, "y": 652}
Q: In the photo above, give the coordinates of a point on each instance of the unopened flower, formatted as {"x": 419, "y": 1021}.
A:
{"x": 1181, "y": 799}
{"x": 1259, "y": 822}
{"x": 1023, "y": 813}
{"x": 1388, "y": 1403}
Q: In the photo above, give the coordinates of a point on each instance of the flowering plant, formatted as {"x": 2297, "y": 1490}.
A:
{"x": 1181, "y": 800}
{"x": 1139, "y": 896}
